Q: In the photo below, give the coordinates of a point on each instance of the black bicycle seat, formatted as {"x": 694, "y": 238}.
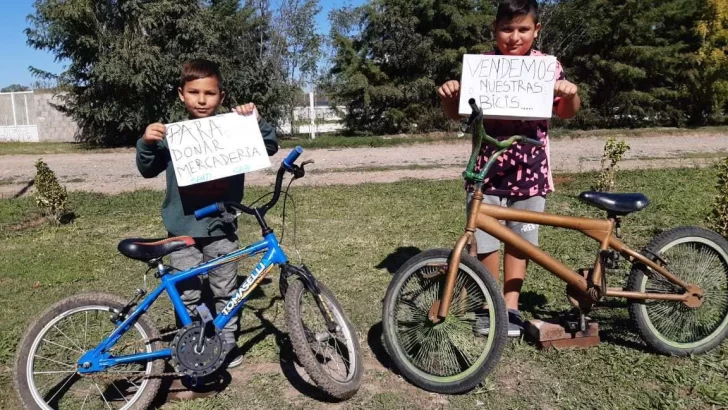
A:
{"x": 148, "y": 249}
{"x": 618, "y": 204}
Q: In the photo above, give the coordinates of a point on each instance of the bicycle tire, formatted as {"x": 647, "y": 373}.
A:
{"x": 300, "y": 337}
{"x": 676, "y": 335}
{"x": 53, "y": 315}
{"x": 471, "y": 376}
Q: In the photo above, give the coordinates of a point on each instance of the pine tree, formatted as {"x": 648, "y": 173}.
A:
{"x": 711, "y": 81}
{"x": 125, "y": 56}
{"x": 633, "y": 59}
{"x": 387, "y": 68}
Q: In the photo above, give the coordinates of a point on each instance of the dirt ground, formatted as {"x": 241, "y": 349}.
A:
{"x": 114, "y": 172}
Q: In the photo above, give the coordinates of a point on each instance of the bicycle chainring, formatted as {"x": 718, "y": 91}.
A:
{"x": 185, "y": 355}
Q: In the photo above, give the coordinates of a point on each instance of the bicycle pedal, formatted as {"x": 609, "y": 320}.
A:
{"x": 570, "y": 325}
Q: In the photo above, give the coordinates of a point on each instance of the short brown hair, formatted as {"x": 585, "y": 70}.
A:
{"x": 200, "y": 68}
{"x": 509, "y": 9}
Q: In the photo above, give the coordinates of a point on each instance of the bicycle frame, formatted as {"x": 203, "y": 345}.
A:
{"x": 486, "y": 217}
{"x": 99, "y": 358}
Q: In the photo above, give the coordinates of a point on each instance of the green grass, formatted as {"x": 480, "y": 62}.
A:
{"x": 338, "y": 141}
{"x": 349, "y": 237}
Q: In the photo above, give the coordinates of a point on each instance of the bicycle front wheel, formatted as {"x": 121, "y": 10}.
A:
{"x": 456, "y": 353}
{"x": 696, "y": 256}
{"x": 332, "y": 359}
{"x": 45, "y": 366}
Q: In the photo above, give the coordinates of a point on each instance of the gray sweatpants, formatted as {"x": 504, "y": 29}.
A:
{"x": 488, "y": 243}
{"x": 223, "y": 280}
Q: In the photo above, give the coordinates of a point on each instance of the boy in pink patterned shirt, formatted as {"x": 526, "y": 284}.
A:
{"x": 521, "y": 178}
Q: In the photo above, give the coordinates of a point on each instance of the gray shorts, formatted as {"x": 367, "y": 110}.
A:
{"x": 487, "y": 243}
{"x": 223, "y": 281}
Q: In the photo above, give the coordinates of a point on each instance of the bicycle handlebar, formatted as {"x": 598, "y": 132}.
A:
{"x": 292, "y": 157}
{"x": 208, "y": 210}
{"x": 287, "y": 165}
{"x": 501, "y": 146}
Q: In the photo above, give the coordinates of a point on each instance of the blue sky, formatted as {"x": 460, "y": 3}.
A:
{"x": 16, "y": 56}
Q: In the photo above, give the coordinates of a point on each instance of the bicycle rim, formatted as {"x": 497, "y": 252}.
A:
{"x": 447, "y": 351}
{"x": 51, "y": 374}
{"x": 699, "y": 261}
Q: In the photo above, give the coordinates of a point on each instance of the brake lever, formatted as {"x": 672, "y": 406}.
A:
{"x": 299, "y": 171}
{"x": 229, "y": 217}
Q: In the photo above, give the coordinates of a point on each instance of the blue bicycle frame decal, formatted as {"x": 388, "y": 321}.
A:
{"x": 99, "y": 358}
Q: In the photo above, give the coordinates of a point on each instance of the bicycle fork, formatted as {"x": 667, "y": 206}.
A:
{"x": 310, "y": 283}
{"x": 456, "y": 255}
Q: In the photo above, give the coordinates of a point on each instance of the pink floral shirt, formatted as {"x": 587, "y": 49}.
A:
{"x": 523, "y": 170}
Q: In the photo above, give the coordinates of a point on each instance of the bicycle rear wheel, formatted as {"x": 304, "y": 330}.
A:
{"x": 696, "y": 256}
{"x": 332, "y": 359}
{"x": 45, "y": 366}
{"x": 448, "y": 356}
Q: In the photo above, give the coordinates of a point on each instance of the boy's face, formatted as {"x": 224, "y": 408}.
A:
{"x": 202, "y": 97}
{"x": 515, "y": 37}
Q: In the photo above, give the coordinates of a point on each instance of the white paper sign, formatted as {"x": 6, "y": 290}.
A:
{"x": 215, "y": 147}
{"x": 508, "y": 87}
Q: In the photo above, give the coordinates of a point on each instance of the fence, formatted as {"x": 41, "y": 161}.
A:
{"x": 18, "y": 117}
{"x": 314, "y": 119}
{"x": 29, "y": 116}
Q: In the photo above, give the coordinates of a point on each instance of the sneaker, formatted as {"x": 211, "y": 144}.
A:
{"x": 234, "y": 358}
{"x": 481, "y": 326}
{"x": 515, "y": 323}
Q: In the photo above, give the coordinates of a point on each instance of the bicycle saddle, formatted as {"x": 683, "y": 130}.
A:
{"x": 148, "y": 249}
{"x": 618, "y": 204}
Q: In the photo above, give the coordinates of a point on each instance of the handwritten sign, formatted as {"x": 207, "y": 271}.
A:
{"x": 215, "y": 147}
{"x": 508, "y": 87}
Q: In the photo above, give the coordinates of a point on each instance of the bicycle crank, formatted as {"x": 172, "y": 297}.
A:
{"x": 194, "y": 357}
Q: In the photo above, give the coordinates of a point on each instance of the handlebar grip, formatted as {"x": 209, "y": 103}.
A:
{"x": 209, "y": 210}
{"x": 474, "y": 106}
{"x": 533, "y": 142}
{"x": 292, "y": 157}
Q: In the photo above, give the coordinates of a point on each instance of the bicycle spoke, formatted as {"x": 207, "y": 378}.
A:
{"x": 88, "y": 393}
{"x": 74, "y": 343}
{"x": 448, "y": 347}
{"x": 64, "y": 347}
{"x": 102, "y": 395}
{"x": 119, "y": 391}
{"x": 56, "y": 361}
{"x": 693, "y": 263}
{"x": 56, "y": 372}
{"x": 85, "y": 329}
{"x": 60, "y": 389}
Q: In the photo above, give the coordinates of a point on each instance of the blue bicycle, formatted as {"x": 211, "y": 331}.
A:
{"x": 98, "y": 350}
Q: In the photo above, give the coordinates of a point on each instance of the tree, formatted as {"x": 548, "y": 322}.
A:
{"x": 125, "y": 57}
{"x": 711, "y": 80}
{"x": 13, "y": 88}
{"x": 389, "y": 55}
{"x": 297, "y": 47}
{"x": 634, "y": 59}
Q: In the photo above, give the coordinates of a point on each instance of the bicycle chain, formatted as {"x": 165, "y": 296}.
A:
{"x": 101, "y": 375}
